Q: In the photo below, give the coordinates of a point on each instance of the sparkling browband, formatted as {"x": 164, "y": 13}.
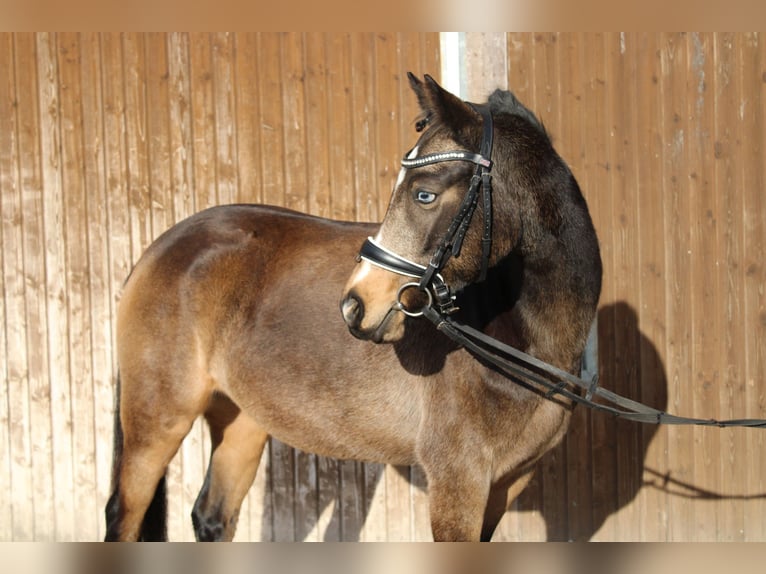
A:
{"x": 446, "y": 156}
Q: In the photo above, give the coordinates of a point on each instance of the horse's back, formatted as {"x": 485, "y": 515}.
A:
{"x": 243, "y": 300}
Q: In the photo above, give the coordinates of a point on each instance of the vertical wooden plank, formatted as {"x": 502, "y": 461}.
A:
{"x": 318, "y": 128}
{"x": 139, "y": 191}
{"x": 101, "y": 319}
{"x": 328, "y": 507}
{"x": 677, "y": 222}
{"x": 640, "y": 288}
{"x": 15, "y": 101}
{"x": 430, "y": 58}
{"x": 248, "y": 128}
{"x": 294, "y": 120}
{"x": 387, "y": 105}
{"x": 53, "y": 444}
{"x": 6, "y": 514}
{"x": 352, "y": 507}
{"x": 306, "y": 507}
{"x": 222, "y": 48}
{"x": 485, "y": 64}
{"x": 752, "y": 78}
{"x": 520, "y": 65}
{"x": 181, "y": 142}
{"x": 374, "y": 492}
{"x": 8, "y": 153}
{"x": 419, "y": 508}
{"x": 203, "y": 121}
{"x": 644, "y": 156}
{"x": 340, "y": 126}
{"x": 398, "y": 523}
{"x": 79, "y": 390}
{"x": 282, "y": 487}
{"x": 257, "y": 513}
{"x": 364, "y": 113}
{"x": 727, "y": 153}
{"x": 705, "y": 296}
{"x": 158, "y": 132}
{"x": 622, "y": 247}
{"x": 272, "y": 164}
{"x": 115, "y": 128}
{"x": 606, "y": 172}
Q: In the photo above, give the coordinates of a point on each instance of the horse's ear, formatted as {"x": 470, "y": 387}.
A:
{"x": 438, "y": 103}
{"x": 417, "y": 87}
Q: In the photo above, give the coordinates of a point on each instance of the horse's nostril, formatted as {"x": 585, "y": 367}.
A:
{"x": 352, "y": 311}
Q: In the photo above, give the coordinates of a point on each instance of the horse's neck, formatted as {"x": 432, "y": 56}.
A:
{"x": 491, "y": 305}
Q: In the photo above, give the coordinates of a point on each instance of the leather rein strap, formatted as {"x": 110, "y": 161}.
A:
{"x": 523, "y": 369}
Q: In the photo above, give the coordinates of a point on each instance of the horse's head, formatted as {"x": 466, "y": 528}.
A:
{"x": 435, "y": 237}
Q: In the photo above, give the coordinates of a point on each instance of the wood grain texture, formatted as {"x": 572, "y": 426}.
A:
{"x": 108, "y": 139}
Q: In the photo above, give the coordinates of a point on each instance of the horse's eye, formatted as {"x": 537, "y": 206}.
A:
{"x": 425, "y": 197}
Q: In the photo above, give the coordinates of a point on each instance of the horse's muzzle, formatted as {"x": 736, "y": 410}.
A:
{"x": 353, "y": 311}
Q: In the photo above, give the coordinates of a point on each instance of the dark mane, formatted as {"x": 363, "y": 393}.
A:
{"x": 504, "y": 102}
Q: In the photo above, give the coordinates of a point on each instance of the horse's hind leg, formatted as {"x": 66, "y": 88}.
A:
{"x": 159, "y": 401}
{"x": 143, "y": 466}
{"x": 237, "y": 443}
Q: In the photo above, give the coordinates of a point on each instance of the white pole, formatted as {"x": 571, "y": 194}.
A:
{"x": 453, "y": 62}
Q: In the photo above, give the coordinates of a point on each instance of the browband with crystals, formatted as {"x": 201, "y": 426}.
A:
{"x": 476, "y": 158}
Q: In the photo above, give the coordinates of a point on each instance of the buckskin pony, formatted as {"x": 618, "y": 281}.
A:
{"x": 233, "y": 314}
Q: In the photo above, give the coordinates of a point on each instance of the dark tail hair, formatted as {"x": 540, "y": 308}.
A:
{"x": 154, "y": 526}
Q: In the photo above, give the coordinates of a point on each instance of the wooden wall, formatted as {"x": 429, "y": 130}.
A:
{"x": 665, "y": 133}
{"x": 107, "y": 139}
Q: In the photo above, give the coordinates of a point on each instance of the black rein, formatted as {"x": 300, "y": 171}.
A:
{"x": 516, "y": 364}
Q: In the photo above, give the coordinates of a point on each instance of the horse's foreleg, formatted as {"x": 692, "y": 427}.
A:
{"x": 237, "y": 443}
{"x": 501, "y": 495}
{"x": 457, "y": 501}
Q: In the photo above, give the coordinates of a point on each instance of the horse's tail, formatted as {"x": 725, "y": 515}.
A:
{"x": 154, "y": 526}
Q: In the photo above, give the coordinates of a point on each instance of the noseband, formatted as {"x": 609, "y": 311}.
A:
{"x": 429, "y": 277}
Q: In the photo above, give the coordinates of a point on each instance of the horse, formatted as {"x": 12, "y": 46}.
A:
{"x": 269, "y": 322}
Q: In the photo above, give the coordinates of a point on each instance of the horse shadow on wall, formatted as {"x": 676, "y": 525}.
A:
{"x": 592, "y": 474}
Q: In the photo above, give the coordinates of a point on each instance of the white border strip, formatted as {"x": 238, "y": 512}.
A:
{"x": 452, "y": 46}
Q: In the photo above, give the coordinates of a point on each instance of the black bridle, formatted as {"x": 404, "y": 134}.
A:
{"x": 514, "y": 364}
{"x": 429, "y": 277}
